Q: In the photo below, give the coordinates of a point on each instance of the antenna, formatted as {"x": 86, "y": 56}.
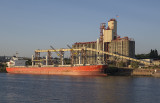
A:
{"x": 17, "y": 54}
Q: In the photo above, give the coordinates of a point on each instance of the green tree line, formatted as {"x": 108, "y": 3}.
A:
{"x": 152, "y": 55}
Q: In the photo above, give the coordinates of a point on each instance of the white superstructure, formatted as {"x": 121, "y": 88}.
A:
{"x": 16, "y": 61}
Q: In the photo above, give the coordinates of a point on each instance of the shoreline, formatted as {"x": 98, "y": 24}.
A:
{"x": 3, "y": 70}
{"x": 114, "y": 71}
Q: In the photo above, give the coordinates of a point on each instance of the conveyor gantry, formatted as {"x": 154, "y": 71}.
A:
{"x": 95, "y": 50}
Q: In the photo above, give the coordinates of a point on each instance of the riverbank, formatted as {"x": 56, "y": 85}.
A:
{"x": 143, "y": 72}
{"x": 115, "y": 71}
{"x": 3, "y": 70}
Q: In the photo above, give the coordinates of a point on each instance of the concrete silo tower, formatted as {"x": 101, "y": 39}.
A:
{"x": 111, "y": 32}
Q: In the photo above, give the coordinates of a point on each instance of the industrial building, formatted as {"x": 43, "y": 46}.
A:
{"x": 108, "y": 41}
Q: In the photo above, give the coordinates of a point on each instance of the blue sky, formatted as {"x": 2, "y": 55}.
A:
{"x": 26, "y": 25}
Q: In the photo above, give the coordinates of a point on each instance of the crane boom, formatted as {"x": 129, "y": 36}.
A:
{"x": 60, "y": 54}
{"x": 55, "y": 51}
{"x": 72, "y": 50}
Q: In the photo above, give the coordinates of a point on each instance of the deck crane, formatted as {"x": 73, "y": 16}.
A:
{"x": 60, "y": 54}
{"x": 73, "y": 55}
{"x": 72, "y": 50}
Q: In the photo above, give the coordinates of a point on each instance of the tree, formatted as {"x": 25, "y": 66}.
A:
{"x": 29, "y": 62}
{"x": 134, "y": 64}
{"x": 153, "y": 54}
{"x": 156, "y": 53}
{"x": 142, "y": 56}
{"x": 121, "y": 64}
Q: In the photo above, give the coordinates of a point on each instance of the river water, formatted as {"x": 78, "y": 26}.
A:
{"x": 17, "y": 88}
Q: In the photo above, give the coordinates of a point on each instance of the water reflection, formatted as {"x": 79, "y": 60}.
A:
{"x": 78, "y": 89}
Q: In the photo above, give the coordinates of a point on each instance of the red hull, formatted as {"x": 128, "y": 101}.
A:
{"x": 75, "y": 70}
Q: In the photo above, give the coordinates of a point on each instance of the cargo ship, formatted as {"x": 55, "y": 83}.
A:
{"x": 17, "y": 66}
{"x": 91, "y": 70}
